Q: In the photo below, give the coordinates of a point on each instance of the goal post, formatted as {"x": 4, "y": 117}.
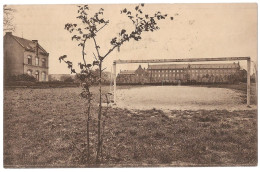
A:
{"x": 248, "y": 80}
{"x": 114, "y": 71}
{"x": 186, "y": 60}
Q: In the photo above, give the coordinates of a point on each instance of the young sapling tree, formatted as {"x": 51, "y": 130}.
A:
{"x": 88, "y": 29}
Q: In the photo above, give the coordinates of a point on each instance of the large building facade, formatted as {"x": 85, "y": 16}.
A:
{"x": 22, "y": 56}
{"x": 139, "y": 75}
{"x": 182, "y": 73}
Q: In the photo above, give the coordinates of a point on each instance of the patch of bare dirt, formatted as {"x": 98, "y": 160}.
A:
{"x": 181, "y": 98}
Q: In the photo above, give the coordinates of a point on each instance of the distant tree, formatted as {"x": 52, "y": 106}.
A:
{"x": 242, "y": 75}
{"x": 69, "y": 79}
{"x": 87, "y": 30}
{"x": 8, "y": 19}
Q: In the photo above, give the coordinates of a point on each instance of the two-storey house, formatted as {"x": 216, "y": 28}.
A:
{"x": 23, "y": 56}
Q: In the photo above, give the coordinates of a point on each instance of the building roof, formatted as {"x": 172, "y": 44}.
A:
{"x": 127, "y": 72}
{"x": 27, "y": 44}
{"x": 194, "y": 66}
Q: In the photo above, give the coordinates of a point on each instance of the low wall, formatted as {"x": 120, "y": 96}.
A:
{"x": 26, "y": 84}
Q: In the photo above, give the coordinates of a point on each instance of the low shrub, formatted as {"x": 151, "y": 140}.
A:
{"x": 22, "y": 77}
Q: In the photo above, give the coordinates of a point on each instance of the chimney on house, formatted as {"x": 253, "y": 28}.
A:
{"x": 36, "y": 47}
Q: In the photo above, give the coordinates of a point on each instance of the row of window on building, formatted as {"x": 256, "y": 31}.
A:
{"x": 162, "y": 75}
{"x": 166, "y": 71}
{"x": 29, "y": 58}
{"x": 139, "y": 74}
{"x": 37, "y": 74}
{"x": 193, "y": 71}
{"x": 177, "y": 75}
{"x": 213, "y": 71}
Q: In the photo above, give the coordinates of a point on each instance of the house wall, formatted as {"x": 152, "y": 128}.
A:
{"x": 13, "y": 57}
{"x": 141, "y": 75}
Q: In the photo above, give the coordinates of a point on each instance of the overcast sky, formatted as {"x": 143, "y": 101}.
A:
{"x": 197, "y": 31}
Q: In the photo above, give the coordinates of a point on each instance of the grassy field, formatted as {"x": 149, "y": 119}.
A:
{"x": 242, "y": 87}
{"x": 47, "y": 128}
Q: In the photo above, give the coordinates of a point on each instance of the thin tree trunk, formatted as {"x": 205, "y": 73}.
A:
{"x": 99, "y": 115}
{"x": 103, "y": 130}
{"x": 88, "y": 140}
{"x": 102, "y": 136}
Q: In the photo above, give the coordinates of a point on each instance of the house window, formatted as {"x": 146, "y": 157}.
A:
{"x": 37, "y": 61}
{"x": 43, "y": 76}
{"x": 37, "y": 75}
{"x": 29, "y": 72}
{"x": 29, "y": 58}
{"x": 43, "y": 63}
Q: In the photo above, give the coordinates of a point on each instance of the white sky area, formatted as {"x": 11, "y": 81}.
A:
{"x": 197, "y": 31}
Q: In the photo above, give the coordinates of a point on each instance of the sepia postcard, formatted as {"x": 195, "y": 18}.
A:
{"x": 130, "y": 85}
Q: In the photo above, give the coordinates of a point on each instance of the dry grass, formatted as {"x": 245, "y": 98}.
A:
{"x": 192, "y": 138}
{"x": 47, "y": 128}
{"x": 242, "y": 87}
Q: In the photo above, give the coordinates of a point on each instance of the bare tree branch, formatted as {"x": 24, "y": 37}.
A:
{"x": 8, "y": 19}
{"x": 97, "y": 47}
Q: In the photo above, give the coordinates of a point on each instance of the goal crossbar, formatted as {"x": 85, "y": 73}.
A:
{"x": 182, "y": 60}
{"x": 186, "y": 60}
